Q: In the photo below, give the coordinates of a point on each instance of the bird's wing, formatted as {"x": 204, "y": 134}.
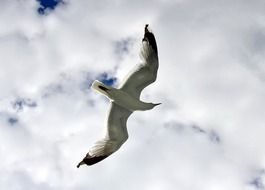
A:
{"x": 116, "y": 123}
{"x": 144, "y": 73}
{"x": 116, "y": 135}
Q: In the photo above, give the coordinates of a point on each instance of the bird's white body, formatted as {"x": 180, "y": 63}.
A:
{"x": 124, "y": 100}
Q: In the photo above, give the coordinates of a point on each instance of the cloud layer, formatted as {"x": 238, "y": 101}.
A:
{"x": 208, "y": 132}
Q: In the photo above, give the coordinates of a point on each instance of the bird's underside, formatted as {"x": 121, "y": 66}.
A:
{"x": 124, "y": 100}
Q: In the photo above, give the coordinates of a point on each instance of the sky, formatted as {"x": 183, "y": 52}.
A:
{"x": 208, "y": 133}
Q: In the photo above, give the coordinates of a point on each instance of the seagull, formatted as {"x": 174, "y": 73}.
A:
{"x": 124, "y": 100}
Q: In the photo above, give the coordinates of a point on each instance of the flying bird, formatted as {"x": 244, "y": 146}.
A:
{"x": 124, "y": 100}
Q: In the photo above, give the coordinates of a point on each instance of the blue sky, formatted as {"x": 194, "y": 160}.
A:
{"x": 47, "y": 4}
{"x": 207, "y": 134}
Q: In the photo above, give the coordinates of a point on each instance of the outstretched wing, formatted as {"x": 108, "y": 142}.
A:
{"x": 116, "y": 123}
{"x": 144, "y": 73}
{"x": 116, "y": 135}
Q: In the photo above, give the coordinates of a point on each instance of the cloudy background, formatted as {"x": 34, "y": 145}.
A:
{"x": 208, "y": 134}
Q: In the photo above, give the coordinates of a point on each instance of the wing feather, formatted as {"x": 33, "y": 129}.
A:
{"x": 144, "y": 73}
{"x": 116, "y": 132}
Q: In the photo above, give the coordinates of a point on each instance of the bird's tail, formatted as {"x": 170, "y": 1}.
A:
{"x": 101, "y": 88}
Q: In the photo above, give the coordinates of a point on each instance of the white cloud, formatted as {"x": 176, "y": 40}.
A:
{"x": 211, "y": 76}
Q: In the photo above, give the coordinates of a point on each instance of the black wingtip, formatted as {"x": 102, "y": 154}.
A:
{"x": 146, "y": 28}
{"x": 149, "y": 36}
{"x": 89, "y": 160}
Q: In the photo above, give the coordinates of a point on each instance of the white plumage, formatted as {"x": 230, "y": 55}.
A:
{"x": 124, "y": 100}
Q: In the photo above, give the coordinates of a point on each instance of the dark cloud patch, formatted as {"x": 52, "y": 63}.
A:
{"x": 87, "y": 82}
{"x": 197, "y": 129}
{"x": 257, "y": 183}
{"x": 68, "y": 84}
{"x": 54, "y": 89}
{"x": 211, "y": 134}
{"x": 91, "y": 103}
{"x": 256, "y": 41}
{"x": 12, "y": 120}
{"x": 252, "y": 48}
{"x": 20, "y": 103}
{"x": 258, "y": 180}
{"x": 123, "y": 46}
{"x": 214, "y": 137}
{"x": 175, "y": 126}
{"x": 48, "y": 5}
{"x": 178, "y": 127}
